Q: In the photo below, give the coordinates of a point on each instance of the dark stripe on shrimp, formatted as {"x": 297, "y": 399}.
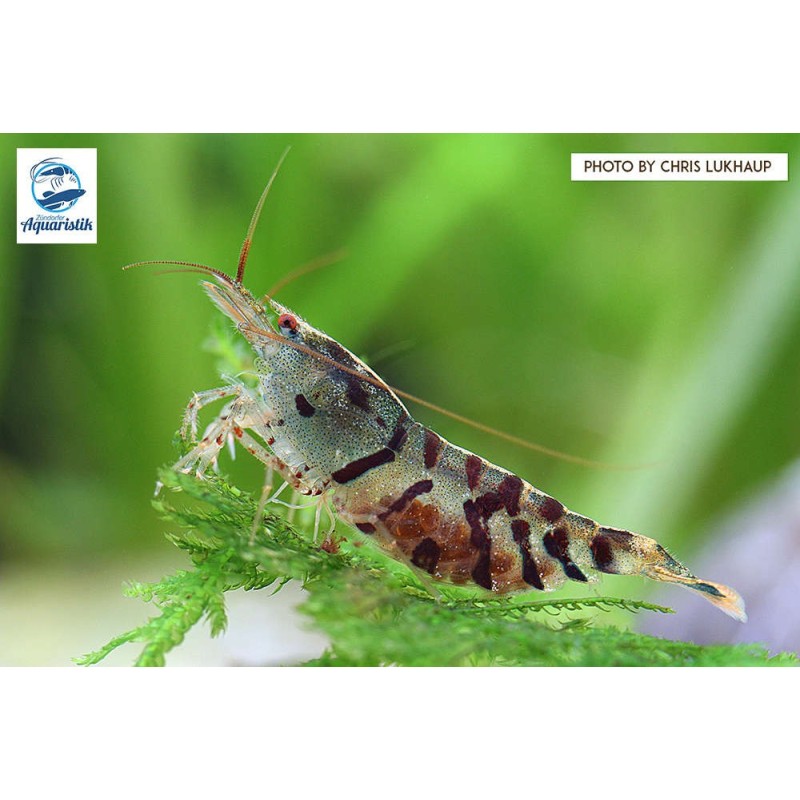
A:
{"x": 550, "y": 509}
{"x": 399, "y": 436}
{"x": 355, "y": 469}
{"x": 522, "y": 536}
{"x": 420, "y": 487}
{"x": 426, "y": 555}
{"x": 433, "y": 448}
{"x": 488, "y": 503}
{"x": 507, "y": 495}
{"x": 479, "y": 538}
{"x": 356, "y": 393}
{"x": 475, "y": 466}
{"x": 557, "y": 543}
{"x": 365, "y": 527}
{"x": 509, "y": 490}
{"x": 336, "y": 352}
{"x": 303, "y": 406}
{"x": 602, "y": 553}
{"x": 603, "y": 545}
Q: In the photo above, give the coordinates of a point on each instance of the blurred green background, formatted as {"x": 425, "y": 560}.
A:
{"x": 633, "y": 323}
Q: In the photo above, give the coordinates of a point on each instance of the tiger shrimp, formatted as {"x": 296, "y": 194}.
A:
{"x": 336, "y": 432}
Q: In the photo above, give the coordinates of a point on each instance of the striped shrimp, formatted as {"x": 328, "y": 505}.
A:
{"x": 336, "y": 432}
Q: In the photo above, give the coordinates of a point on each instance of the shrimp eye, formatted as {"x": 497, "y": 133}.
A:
{"x": 287, "y": 322}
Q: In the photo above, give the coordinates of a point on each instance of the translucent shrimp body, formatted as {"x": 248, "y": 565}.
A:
{"x": 331, "y": 425}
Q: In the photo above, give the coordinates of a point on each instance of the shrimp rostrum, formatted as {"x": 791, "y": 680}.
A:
{"x": 335, "y": 431}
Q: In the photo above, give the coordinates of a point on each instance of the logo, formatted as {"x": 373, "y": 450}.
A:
{"x": 55, "y": 185}
{"x": 56, "y": 195}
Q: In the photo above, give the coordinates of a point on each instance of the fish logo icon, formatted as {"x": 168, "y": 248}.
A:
{"x": 55, "y": 186}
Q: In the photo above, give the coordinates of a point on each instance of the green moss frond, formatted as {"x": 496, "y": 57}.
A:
{"x": 372, "y": 609}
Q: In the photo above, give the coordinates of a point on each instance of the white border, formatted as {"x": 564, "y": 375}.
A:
{"x": 433, "y": 732}
{"x": 420, "y": 66}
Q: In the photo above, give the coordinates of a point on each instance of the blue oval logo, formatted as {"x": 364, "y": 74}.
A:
{"x": 55, "y": 185}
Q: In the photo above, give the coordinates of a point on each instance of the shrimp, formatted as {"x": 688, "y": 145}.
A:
{"x": 336, "y": 432}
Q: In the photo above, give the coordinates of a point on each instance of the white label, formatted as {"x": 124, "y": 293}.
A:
{"x": 680, "y": 166}
{"x": 56, "y": 195}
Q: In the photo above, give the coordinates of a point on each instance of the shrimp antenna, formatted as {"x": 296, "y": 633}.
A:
{"x": 311, "y": 266}
{"x": 189, "y": 266}
{"x": 248, "y": 239}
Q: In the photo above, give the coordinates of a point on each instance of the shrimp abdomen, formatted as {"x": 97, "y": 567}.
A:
{"x": 465, "y": 520}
